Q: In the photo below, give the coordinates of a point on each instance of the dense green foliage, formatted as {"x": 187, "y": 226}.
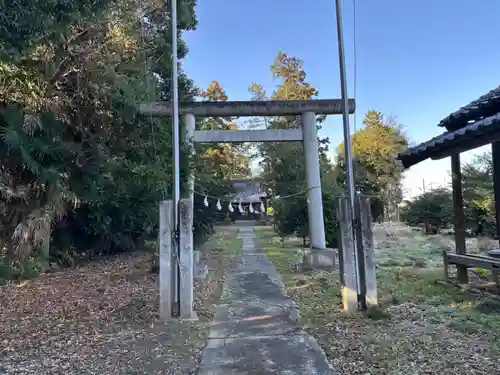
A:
{"x": 436, "y": 205}
{"x": 79, "y": 170}
{"x": 477, "y": 185}
{"x": 433, "y": 207}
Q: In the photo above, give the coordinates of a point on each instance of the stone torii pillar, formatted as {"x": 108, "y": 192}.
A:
{"x": 313, "y": 181}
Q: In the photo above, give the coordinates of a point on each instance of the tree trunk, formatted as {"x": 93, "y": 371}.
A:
{"x": 46, "y": 246}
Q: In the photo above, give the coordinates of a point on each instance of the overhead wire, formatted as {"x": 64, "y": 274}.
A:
{"x": 355, "y": 73}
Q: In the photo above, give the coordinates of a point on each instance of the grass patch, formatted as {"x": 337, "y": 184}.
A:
{"x": 219, "y": 255}
{"x": 423, "y": 325}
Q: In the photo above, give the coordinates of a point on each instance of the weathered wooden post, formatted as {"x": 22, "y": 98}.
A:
{"x": 166, "y": 248}
{"x": 458, "y": 216}
{"x": 347, "y": 260}
{"x": 186, "y": 260}
{"x": 368, "y": 250}
{"x": 357, "y": 239}
{"x": 45, "y": 245}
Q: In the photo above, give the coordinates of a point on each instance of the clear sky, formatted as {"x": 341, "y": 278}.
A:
{"x": 416, "y": 60}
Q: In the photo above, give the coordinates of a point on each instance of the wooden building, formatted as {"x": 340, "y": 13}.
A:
{"x": 248, "y": 192}
{"x": 472, "y": 126}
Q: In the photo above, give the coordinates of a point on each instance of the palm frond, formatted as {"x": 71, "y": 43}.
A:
{"x": 31, "y": 123}
{"x": 10, "y": 137}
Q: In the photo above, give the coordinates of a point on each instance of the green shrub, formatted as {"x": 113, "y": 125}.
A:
{"x": 332, "y": 228}
{"x": 5, "y": 270}
{"x": 291, "y": 218}
{"x": 434, "y": 206}
{"x": 11, "y": 270}
{"x": 482, "y": 272}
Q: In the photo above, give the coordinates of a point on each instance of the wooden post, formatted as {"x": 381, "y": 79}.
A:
{"x": 360, "y": 256}
{"x": 446, "y": 265}
{"x": 347, "y": 248}
{"x": 166, "y": 248}
{"x": 458, "y": 215}
{"x": 341, "y": 260}
{"x": 495, "y": 155}
{"x": 186, "y": 295}
{"x": 45, "y": 245}
{"x": 368, "y": 250}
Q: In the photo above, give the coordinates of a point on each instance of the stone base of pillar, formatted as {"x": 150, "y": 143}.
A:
{"x": 323, "y": 259}
{"x": 201, "y": 272}
{"x": 196, "y": 258}
{"x": 192, "y": 318}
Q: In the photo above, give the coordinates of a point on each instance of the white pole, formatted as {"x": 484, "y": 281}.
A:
{"x": 175, "y": 151}
{"x": 347, "y": 131}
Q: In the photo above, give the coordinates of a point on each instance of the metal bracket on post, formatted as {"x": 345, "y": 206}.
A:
{"x": 176, "y": 191}
{"x": 176, "y": 267}
{"x": 359, "y": 249}
{"x": 358, "y": 274}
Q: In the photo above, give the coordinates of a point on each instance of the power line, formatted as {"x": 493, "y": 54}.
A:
{"x": 355, "y": 58}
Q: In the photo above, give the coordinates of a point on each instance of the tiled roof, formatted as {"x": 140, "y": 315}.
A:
{"x": 247, "y": 191}
{"x": 464, "y": 134}
{"x": 485, "y": 106}
{"x": 248, "y": 198}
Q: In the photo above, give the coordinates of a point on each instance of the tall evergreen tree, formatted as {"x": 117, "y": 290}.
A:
{"x": 283, "y": 163}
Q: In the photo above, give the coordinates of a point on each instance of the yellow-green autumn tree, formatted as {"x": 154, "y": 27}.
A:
{"x": 378, "y": 173}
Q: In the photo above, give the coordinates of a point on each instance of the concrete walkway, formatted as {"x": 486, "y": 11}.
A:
{"x": 256, "y": 329}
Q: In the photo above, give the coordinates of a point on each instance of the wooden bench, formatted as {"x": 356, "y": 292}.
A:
{"x": 472, "y": 260}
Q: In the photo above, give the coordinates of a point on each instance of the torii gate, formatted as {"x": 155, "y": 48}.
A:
{"x": 181, "y": 247}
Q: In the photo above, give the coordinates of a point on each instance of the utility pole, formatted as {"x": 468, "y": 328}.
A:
{"x": 176, "y": 190}
{"x": 347, "y": 134}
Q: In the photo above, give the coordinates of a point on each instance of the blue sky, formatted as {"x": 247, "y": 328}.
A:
{"x": 416, "y": 60}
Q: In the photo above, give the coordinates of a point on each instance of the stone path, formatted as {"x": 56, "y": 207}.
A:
{"x": 256, "y": 329}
